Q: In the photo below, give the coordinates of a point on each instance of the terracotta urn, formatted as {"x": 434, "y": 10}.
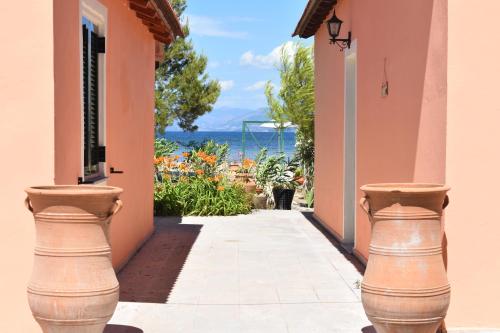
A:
{"x": 300, "y": 180}
{"x": 250, "y": 186}
{"x": 405, "y": 288}
{"x": 73, "y": 287}
{"x": 234, "y": 167}
{"x": 259, "y": 201}
{"x": 242, "y": 177}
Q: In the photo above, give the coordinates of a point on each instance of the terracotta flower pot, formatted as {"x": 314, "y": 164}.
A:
{"x": 405, "y": 288}
{"x": 242, "y": 177}
{"x": 300, "y": 180}
{"x": 250, "y": 186}
{"x": 73, "y": 287}
{"x": 259, "y": 201}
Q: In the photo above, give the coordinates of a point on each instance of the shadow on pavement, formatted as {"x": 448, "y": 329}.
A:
{"x": 151, "y": 274}
{"x": 350, "y": 257}
{"x": 121, "y": 329}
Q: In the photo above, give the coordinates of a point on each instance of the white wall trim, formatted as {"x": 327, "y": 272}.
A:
{"x": 349, "y": 53}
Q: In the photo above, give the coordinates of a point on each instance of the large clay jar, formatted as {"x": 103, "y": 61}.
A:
{"x": 405, "y": 288}
{"x": 73, "y": 287}
{"x": 250, "y": 186}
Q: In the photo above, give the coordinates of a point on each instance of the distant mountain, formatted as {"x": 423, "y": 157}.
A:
{"x": 226, "y": 119}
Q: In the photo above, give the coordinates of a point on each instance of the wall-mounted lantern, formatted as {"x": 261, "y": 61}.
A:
{"x": 334, "y": 25}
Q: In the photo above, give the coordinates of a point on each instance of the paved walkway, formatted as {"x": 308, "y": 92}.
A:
{"x": 271, "y": 271}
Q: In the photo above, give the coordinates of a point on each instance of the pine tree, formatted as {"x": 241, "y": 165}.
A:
{"x": 183, "y": 90}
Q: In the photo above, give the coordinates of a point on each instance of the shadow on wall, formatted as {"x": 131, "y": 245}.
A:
{"x": 122, "y": 329}
{"x": 351, "y": 258}
{"x": 150, "y": 275}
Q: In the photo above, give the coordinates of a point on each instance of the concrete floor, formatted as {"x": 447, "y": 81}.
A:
{"x": 271, "y": 271}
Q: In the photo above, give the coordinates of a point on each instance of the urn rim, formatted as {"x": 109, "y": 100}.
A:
{"x": 73, "y": 190}
{"x": 405, "y": 187}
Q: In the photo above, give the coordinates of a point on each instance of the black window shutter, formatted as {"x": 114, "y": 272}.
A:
{"x": 94, "y": 100}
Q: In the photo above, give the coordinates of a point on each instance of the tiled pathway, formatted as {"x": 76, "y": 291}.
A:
{"x": 271, "y": 271}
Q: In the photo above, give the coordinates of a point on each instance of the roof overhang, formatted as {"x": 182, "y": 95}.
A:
{"x": 314, "y": 15}
{"x": 160, "y": 19}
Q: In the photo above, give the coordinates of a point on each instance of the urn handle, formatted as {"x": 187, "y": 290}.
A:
{"x": 27, "y": 203}
{"x": 365, "y": 205}
{"x": 117, "y": 208}
{"x": 446, "y": 202}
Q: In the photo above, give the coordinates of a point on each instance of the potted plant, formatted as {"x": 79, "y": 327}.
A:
{"x": 244, "y": 173}
{"x": 299, "y": 176}
{"x": 284, "y": 184}
{"x": 264, "y": 167}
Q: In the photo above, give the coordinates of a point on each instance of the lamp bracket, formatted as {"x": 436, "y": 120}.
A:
{"x": 342, "y": 43}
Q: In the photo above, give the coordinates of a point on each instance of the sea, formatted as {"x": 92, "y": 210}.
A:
{"x": 253, "y": 143}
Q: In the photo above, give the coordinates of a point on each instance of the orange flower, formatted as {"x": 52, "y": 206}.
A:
{"x": 248, "y": 163}
{"x": 199, "y": 172}
{"x": 211, "y": 159}
{"x": 182, "y": 166}
{"x": 220, "y": 188}
{"x": 185, "y": 154}
{"x": 201, "y": 154}
{"x": 176, "y": 157}
{"x": 210, "y": 179}
{"x": 216, "y": 179}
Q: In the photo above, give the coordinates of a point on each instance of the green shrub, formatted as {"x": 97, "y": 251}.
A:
{"x": 164, "y": 147}
{"x": 200, "y": 196}
{"x": 195, "y": 182}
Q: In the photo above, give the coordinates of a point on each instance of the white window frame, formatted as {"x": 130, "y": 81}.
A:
{"x": 97, "y": 13}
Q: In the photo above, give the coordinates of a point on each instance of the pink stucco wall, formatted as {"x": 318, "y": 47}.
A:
{"x": 40, "y": 132}
{"x": 130, "y": 125}
{"x": 401, "y": 137}
{"x": 26, "y": 145}
{"x": 438, "y": 124}
{"x": 329, "y": 134}
{"x": 129, "y": 115}
{"x": 472, "y": 164}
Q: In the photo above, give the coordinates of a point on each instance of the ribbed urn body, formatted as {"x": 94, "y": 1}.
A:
{"x": 73, "y": 287}
{"x": 405, "y": 288}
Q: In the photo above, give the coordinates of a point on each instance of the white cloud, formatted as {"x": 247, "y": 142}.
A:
{"x": 244, "y": 101}
{"x": 257, "y": 86}
{"x": 269, "y": 60}
{"x": 226, "y": 85}
{"x": 210, "y": 27}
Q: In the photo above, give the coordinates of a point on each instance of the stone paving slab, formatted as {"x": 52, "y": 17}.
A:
{"x": 270, "y": 271}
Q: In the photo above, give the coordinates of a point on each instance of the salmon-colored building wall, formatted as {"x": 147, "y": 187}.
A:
{"x": 472, "y": 164}
{"x": 438, "y": 124}
{"x": 129, "y": 99}
{"x": 26, "y": 145}
{"x": 329, "y": 134}
{"x": 401, "y": 137}
{"x": 130, "y": 71}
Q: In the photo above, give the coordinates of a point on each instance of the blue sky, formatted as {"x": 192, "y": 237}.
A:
{"x": 239, "y": 38}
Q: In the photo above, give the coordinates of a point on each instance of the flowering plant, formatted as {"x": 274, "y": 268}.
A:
{"x": 196, "y": 183}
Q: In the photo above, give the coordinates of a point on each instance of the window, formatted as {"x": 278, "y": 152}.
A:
{"x": 93, "y": 48}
